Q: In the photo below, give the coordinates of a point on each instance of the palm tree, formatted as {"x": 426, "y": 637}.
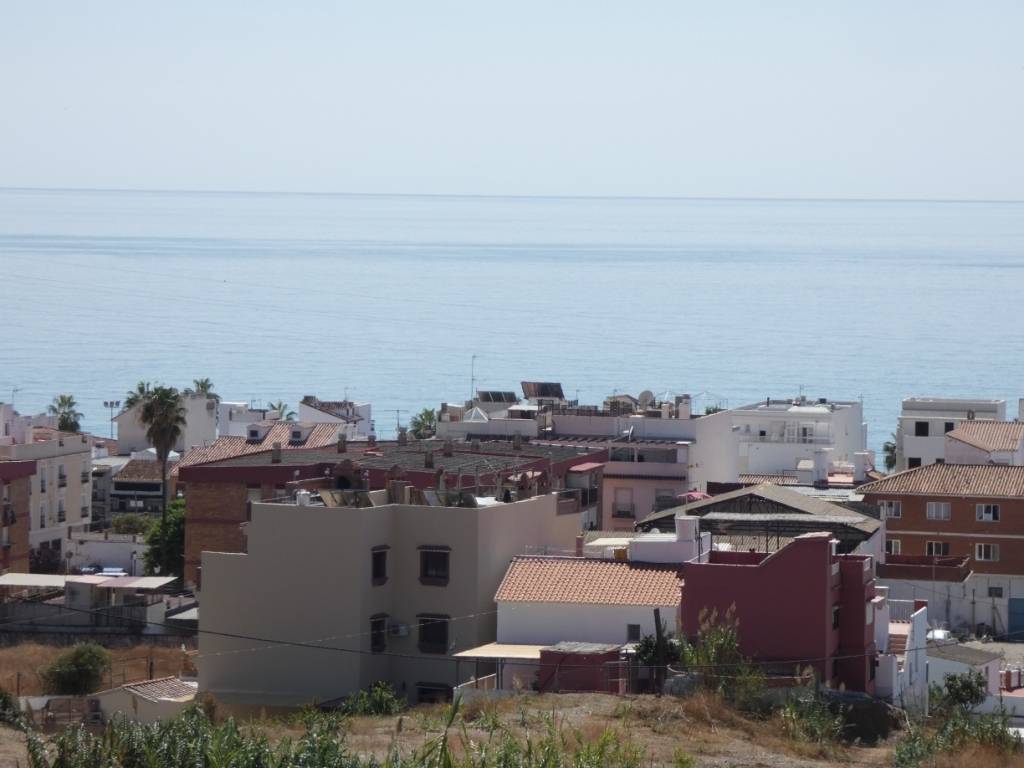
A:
{"x": 282, "y": 408}
{"x": 203, "y": 387}
{"x": 889, "y": 450}
{"x": 65, "y": 408}
{"x": 163, "y": 415}
{"x": 135, "y": 396}
{"x": 423, "y": 424}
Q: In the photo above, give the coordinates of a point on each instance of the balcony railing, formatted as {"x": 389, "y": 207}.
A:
{"x": 805, "y": 439}
{"x": 85, "y": 476}
{"x": 62, "y": 481}
{"x": 85, "y": 510}
{"x": 61, "y": 516}
{"x": 624, "y": 510}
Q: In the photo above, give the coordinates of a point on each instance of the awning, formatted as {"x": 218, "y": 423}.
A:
{"x": 39, "y": 580}
{"x": 589, "y": 466}
{"x": 503, "y": 651}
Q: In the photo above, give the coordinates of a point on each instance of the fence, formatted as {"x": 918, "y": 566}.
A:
{"x": 121, "y": 671}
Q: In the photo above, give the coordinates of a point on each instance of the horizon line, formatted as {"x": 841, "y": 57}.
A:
{"x": 498, "y": 196}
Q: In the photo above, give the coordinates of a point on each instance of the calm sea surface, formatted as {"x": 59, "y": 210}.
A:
{"x": 386, "y": 298}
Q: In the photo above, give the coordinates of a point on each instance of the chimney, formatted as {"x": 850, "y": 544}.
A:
{"x": 403, "y": 436}
{"x": 517, "y": 441}
{"x": 371, "y": 441}
{"x": 275, "y": 453}
{"x": 860, "y": 463}
{"x": 579, "y": 545}
{"x": 449, "y": 448}
{"x": 342, "y": 442}
{"x": 428, "y": 459}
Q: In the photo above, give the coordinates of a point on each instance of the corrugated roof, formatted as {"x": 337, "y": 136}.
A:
{"x": 771, "y": 479}
{"x": 590, "y": 581}
{"x": 990, "y": 435}
{"x": 995, "y": 480}
{"x": 965, "y": 654}
{"x": 163, "y": 689}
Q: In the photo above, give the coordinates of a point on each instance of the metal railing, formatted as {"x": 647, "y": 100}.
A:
{"x": 62, "y": 481}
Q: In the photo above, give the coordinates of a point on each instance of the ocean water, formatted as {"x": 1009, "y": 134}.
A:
{"x": 386, "y": 298}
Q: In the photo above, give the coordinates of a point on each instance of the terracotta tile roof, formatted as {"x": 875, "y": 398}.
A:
{"x": 990, "y": 435}
{"x": 162, "y": 688}
{"x": 141, "y": 470}
{"x": 340, "y": 409}
{"x": 223, "y": 448}
{"x": 588, "y": 580}
{"x": 996, "y": 480}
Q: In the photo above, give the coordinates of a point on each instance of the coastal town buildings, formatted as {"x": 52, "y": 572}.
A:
{"x": 986, "y": 442}
{"x": 777, "y": 434}
{"x": 234, "y": 418}
{"x": 200, "y": 425}
{"x": 355, "y": 420}
{"x": 394, "y": 588}
{"x": 925, "y": 421}
{"x": 60, "y": 488}
{"x": 15, "y": 507}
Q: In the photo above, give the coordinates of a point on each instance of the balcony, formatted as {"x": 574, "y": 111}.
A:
{"x": 624, "y": 510}
{"x": 62, "y": 481}
{"x": 802, "y": 439}
{"x": 85, "y": 475}
{"x": 641, "y": 469}
{"x": 61, "y": 516}
{"x": 85, "y": 510}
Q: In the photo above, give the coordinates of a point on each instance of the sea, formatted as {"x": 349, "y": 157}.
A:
{"x": 406, "y": 301}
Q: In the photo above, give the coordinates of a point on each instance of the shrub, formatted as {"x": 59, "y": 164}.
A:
{"x": 811, "y": 719}
{"x": 9, "y": 713}
{"x": 380, "y": 700}
{"x": 132, "y": 523}
{"x": 77, "y": 672}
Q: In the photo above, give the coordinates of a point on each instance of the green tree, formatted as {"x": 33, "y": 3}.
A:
{"x": 163, "y": 415}
{"x": 282, "y": 408}
{"x": 889, "y": 451}
{"x": 172, "y": 543}
{"x": 136, "y": 396}
{"x": 65, "y": 409}
{"x": 423, "y": 424}
{"x": 131, "y": 522}
{"x": 203, "y": 387}
{"x": 77, "y": 672}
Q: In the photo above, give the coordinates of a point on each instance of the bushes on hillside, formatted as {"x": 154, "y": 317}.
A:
{"x": 77, "y": 672}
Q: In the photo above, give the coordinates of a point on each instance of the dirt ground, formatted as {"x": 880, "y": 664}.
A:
{"x": 127, "y": 665}
{"x": 701, "y": 726}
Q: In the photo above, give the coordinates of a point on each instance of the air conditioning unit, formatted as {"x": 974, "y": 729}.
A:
{"x": 397, "y": 629}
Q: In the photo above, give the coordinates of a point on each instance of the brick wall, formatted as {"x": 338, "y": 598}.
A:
{"x": 214, "y": 513}
{"x": 15, "y": 557}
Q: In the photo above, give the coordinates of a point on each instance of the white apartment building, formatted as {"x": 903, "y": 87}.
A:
{"x": 234, "y": 418}
{"x": 776, "y": 434}
{"x": 60, "y": 497}
{"x": 200, "y": 426}
{"x": 397, "y": 587}
{"x": 924, "y": 422}
{"x": 357, "y": 417}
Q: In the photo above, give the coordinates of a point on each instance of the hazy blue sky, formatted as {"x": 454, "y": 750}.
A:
{"x": 917, "y": 99}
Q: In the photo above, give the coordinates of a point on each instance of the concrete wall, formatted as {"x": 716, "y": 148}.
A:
{"x": 550, "y": 623}
{"x": 108, "y": 553}
{"x": 120, "y": 702}
{"x": 940, "y": 669}
{"x": 461, "y": 430}
{"x": 716, "y": 455}
{"x": 962, "y": 605}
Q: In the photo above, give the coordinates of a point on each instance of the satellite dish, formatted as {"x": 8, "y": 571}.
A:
{"x": 646, "y": 398}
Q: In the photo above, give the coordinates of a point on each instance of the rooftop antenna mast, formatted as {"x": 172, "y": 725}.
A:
{"x": 472, "y": 377}
{"x": 398, "y": 423}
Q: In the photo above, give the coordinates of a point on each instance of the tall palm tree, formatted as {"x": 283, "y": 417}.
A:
{"x": 163, "y": 415}
{"x": 423, "y": 424}
{"x": 889, "y": 450}
{"x": 203, "y": 387}
{"x": 66, "y": 410}
{"x": 135, "y": 396}
{"x": 282, "y": 407}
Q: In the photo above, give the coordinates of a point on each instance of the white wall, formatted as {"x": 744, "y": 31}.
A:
{"x": 460, "y": 430}
{"x": 939, "y": 669}
{"x": 200, "y": 426}
{"x": 550, "y": 623}
{"x": 715, "y": 456}
{"x": 107, "y": 553}
{"x": 962, "y": 604}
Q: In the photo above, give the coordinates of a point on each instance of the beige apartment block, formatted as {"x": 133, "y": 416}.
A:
{"x": 398, "y": 588}
{"x": 60, "y": 497}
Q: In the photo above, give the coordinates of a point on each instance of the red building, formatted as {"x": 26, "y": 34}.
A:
{"x": 15, "y": 477}
{"x": 802, "y": 605}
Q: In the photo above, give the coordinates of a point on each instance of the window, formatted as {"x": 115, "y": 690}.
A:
{"x": 892, "y": 546}
{"x": 378, "y": 633}
{"x": 940, "y": 461}
{"x": 890, "y": 510}
{"x": 296, "y": 435}
{"x": 986, "y": 553}
{"x": 920, "y": 429}
{"x": 949, "y": 426}
{"x": 434, "y": 566}
{"x": 937, "y": 548}
{"x": 995, "y": 591}
{"x": 433, "y": 631}
{"x": 379, "y": 565}
{"x": 987, "y": 513}
{"x": 61, "y": 514}
{"x": 632, "y": 633}
{"x": 938, "y": 510}
{"x": 623, "y": 503}
{"x": 913, "y": 462}
{"x": 835, "y": 616}
{"x": 254, "y": 434}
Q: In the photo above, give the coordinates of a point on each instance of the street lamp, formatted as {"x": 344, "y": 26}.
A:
{"x": 111, "y": 404}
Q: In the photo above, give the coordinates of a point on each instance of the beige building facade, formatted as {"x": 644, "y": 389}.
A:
{"x": 365, "y": 594}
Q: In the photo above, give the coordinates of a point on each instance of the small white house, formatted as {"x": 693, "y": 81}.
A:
{"x": 952, "y": 658}
{"x": 147, "y": 701}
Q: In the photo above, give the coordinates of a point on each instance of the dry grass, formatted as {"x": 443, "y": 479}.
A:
{"x": 128, "y": 664}
{"x": 979, "y": 757}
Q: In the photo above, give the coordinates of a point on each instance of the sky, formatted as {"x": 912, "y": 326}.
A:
{"x": 870, "y": 99}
